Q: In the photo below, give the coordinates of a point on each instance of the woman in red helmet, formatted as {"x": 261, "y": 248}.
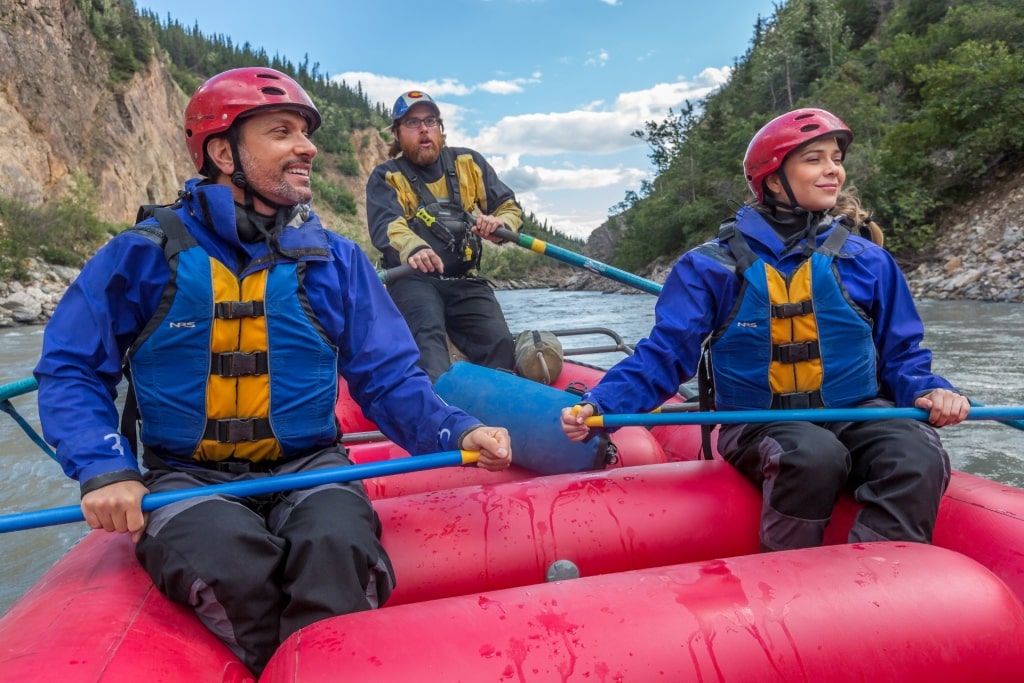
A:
{"x": 796, "y": 310}
{"x": 236, "y": 311}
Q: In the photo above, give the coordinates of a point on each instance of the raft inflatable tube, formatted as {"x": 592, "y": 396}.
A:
{"x": 95, "y": 616}
{"x": 477, "y": 538}
{"x": 531, "y": 412}
{"x": 872, "y": 612}
{"x": 633, "y": 446}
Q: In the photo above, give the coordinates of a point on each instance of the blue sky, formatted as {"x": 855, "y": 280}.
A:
{"x": 548, "y": 90}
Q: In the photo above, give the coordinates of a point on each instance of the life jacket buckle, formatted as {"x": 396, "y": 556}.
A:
{"x": 238, "y": 364}
{"x": 796, "y": 352}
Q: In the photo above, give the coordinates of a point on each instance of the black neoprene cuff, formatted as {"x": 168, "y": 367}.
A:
{"x": 102, "y": 480}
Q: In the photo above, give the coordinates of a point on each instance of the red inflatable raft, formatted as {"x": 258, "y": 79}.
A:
{"x": 671, "y": 586}
{"x": 873, "y": 612}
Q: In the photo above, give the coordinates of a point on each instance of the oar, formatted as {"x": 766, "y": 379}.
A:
{"x": 572, "y": 258}
{"x": 998, "y": 413}
{"x": 1016, "y": 424}
{"x": 252, "y": 487}
{"x": 17, "y": 388}
{"x": 396, "y": 273}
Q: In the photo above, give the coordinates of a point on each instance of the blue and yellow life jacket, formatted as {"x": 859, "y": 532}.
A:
{"x": 233, "y": 367}
{"x": 792, "y": 341}
{"x": 442, "y": 221}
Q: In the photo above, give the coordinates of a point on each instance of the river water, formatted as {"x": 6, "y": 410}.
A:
{"x": 976, "y": 346}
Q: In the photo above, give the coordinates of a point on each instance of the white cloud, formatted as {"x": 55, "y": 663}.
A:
{"x": 386, "y": 89}
{"x": 584, "y": 132}
{"x": 594, "y": 129}
{"x": 528, "y": 177}
{"x": 501, "y": 87}
{"x": 654, "y": 102}
{"x": 598, "y": 58}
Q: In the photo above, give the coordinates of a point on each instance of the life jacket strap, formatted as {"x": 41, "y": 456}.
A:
{"x": 798, "y": 400}
{"x": 796, "y": 352}
{"x": 238, "y": 430}
{"x": 238, "y": 364}
{"x": 792, "y": 310}
{"x": 229, "y": 310}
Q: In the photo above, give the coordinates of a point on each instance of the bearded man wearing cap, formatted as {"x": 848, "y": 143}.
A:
{"x": 429, "y": 206}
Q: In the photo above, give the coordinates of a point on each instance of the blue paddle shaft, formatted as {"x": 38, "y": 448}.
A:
{"x": 805, "y": 415}
{"x": 17, "y": 388}
{"x": 251, "y": 487}
{"x": 566, "y": 256}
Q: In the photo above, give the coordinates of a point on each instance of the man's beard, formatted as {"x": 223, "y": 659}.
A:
{"x": 271, "y": 183}
{"x": 419, "y": 155}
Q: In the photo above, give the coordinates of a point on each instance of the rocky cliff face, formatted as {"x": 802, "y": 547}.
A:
{"x": 59, "y": 115}
{"x": 60, "y": 119}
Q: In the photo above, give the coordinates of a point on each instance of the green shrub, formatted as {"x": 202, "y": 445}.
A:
{"x": 338, "y": 198}
{"x": 63, "y": 232}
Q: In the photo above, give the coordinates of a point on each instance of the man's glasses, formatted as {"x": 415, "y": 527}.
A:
{"x": 429, "y": 122}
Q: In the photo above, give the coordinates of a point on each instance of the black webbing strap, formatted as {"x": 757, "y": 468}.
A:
{"x": 705, "y": 399}
{"x": 230, "y": 310}
{"x": 796, "y": 352}
{"x": 799, "y": 400}
{"x": 237, "y": 430}
{"x": 239, "y": 364}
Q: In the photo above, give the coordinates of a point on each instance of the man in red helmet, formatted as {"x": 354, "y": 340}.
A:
{"x": 235, "y": 312}
{"x": 420, "y": 207}
{"x": 788, "y": 308}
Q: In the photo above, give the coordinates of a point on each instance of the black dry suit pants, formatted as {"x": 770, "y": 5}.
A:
{"x": 256, "y": 570}
{"x": 896, "y": 468}
{"x": 463, "y": 308}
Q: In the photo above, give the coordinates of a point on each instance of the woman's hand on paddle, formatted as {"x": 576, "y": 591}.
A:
{"x": 944, "y": 407}
{"x": 116, "y": 507}
{"x": 494, "y": 445}
{"x": 573, "y": 421}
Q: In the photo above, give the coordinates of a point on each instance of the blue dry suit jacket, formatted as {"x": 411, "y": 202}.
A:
{"x": 699, "y": 295}
{"x": 118, "y": 290}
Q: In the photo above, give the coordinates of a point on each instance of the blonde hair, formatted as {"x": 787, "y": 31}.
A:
{"x": 848, "y": 204}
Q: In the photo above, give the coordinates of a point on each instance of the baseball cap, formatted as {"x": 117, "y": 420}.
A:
{"x": 406, "y": 101}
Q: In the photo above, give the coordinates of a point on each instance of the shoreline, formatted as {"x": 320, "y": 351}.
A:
{"x": 974, "y": 267}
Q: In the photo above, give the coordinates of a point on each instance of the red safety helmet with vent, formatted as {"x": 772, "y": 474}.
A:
{"x": 218, "y": 103}
{"x": 773, "y": 143}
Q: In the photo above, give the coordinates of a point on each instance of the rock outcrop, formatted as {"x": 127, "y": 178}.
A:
{"x": 60, "y": 115}
{"x": 980, "y": 252}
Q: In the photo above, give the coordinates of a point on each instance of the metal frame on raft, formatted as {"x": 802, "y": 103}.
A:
{"x": 619, "y": 345}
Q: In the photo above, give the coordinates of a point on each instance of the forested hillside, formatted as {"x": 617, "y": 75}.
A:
{"x": 66, "y": 214}
{"x": 933, "y": 90}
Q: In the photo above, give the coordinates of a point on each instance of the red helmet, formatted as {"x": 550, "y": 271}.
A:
{"x": 783, "y": 134}
{"x": 218, "y": 103}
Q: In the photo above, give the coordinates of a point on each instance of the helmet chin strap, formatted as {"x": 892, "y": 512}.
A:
{"x": 776, "y": 204}
{"x": 239, "y": 180}
{"x": 283, "y": 213}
